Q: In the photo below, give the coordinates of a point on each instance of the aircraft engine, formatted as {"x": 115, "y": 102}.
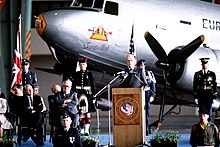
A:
{"x": 181, "y": 74}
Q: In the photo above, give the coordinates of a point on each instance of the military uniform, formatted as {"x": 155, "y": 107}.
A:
{"x": 151, "y": 83}
{"x": 67, "y": 137}
{"x": 204, "y": 133}
{"x": 205, "y": 89}
{"x": 84, "y": 84}
{"x": 28, "y": 77}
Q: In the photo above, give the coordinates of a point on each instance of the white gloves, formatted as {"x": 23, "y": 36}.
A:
{"x": 196, "y": 101}
{"x": 151, "y": 99}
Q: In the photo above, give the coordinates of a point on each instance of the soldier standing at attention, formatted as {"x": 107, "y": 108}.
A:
{"x": 149, "y": 94}
{"x": 84, "y": 84}
{"x": 205, "y": 87}
{"x": 28, "y": 77}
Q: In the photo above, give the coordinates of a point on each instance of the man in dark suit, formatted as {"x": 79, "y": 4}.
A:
{"x": 66, "y": 100}
{"x": 67, "y": 136}
{"x": 135, "y": 76}
{"x": 28, "y": 77}
{"x": 205, "y": 87}
{"x": 31, "y": 116}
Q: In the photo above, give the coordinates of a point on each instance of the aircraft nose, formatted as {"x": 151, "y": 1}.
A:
{"x": 40, "y": 24}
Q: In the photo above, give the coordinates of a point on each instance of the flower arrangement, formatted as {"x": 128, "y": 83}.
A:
{"x": 170, "y": 138}
{"x": 92, "y": 140}
{"x": 7, "y": 141}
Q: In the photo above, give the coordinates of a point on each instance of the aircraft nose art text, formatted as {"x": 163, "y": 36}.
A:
{"x": 40, "y": 24}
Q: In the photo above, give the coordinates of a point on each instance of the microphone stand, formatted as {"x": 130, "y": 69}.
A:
{"x": 108, "y": 86}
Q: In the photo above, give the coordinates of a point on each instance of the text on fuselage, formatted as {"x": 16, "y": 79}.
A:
{"x": 211, "y": 24}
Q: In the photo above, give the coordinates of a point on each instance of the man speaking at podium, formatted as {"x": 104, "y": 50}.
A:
{"x": 134, "y": 76}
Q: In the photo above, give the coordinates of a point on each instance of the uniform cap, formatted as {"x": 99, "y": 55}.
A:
{"x": 64, "y": 115}
{"x": 83, "y": 60}
{"x": 204, "y": 60}
{"x": 203, "y": 111}
{"x": 25, "y": 62}
{"x": 141, "y": 61}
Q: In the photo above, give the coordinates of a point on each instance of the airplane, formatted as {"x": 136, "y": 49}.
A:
{"x": 171, "y": 35}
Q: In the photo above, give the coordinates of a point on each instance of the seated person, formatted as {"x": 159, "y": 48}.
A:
{"x": 53, "y": 110}
{"x": 67, "y": 136}
{"x": 66, "y": 100}
{"x": 204, "y": 133}
{"x": 4, "y": 123}
{"x": 31, "y": 116}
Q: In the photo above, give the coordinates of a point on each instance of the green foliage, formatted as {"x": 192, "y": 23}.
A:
{"x": 93, "y": 137}
{"x": 166, "y": 137}
{"x": 7, "y": 140}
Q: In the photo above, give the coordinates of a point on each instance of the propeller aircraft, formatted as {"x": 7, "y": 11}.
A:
{"x": 171, "y": 35}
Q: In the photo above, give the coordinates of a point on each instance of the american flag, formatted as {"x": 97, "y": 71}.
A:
{"x": 132, "y": 48}
{"x": 16, "y": 69}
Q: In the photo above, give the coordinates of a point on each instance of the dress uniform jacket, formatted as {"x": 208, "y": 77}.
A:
{"x": 204, "y": 137}
{"x": 205, "y": 90}
{"x": 71, "y": 138}
{"x": 84, "y": 83}
{"x": 204, "y": 83}
{"x": 134, "y": 79}
{"x": 29, "y": 78}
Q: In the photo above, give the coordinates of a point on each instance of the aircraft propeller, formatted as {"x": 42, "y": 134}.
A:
{"x": 176, "y": 55}
{"x": 169, "y": 63}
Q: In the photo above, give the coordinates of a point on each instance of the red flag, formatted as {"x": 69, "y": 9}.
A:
{"x": 1, "y": 3}
{"x": 16, "y": 69}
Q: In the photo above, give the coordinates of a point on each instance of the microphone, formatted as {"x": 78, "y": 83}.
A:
{"x": 121, "y": 73}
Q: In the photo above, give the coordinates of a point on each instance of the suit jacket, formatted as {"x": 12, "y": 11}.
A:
{"x": 72, "y": 106}
{"x": 134, "y": 79}
{"x": 71, "y": 138}
{"x": 30, "y": 117}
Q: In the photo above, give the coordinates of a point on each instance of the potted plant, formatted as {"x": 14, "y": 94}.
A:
{"x": 8, "y": 141}
{"x": 92, "y": 140}
{"x": 165, "y": 138}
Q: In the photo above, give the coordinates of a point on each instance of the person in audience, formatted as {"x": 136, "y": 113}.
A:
{"x": 204, "y": 133}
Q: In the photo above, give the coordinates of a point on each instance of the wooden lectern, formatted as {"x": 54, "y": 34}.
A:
{"x": 129, "y": 127}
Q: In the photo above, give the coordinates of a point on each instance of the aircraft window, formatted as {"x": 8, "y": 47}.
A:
{"x": 111, "y": 8}
{"x": 210, "y": 1}
{"x": 86, "y": 3}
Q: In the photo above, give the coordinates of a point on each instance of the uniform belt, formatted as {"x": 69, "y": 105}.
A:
{"x": 84, "y": 87}
{"x": 206, "y": 88}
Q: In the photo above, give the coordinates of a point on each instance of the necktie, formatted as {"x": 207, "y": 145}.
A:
{"x": 30, "y": 101}
{"x": 204, "y": 72}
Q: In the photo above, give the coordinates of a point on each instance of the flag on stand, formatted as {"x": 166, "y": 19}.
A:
{"x": 132, "y": 48}
{"x": 16, "y": 69}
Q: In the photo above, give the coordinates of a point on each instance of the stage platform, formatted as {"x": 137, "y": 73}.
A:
{"x": 106, "y": 140}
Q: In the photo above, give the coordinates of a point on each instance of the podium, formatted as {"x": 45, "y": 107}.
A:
{"x": 129, "y": 127}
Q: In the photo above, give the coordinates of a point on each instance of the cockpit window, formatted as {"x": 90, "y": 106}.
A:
{"x": 88, "y": 3}
{"x": 111, "y": 8}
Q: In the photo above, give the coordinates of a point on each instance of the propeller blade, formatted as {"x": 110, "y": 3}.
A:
{"x": 155, "y": 46}
{"x": 187, "y": 50}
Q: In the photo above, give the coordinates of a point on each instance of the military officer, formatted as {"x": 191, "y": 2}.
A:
{"x": 28, "y": 77}
{"x": 204, "y": 133}
{"x": 84, "y": 84}
{"x": 149, "y": 94}
{"x": 205, "y": 87}
{"x": 67, "y": 136}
